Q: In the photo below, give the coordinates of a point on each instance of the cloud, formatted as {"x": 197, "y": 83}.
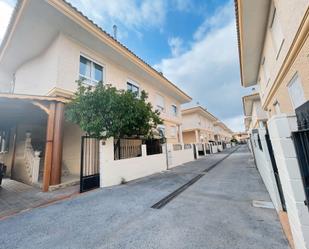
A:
{"x": 5, "y": 15}
{"x": 235, "y": 123}
{"x": 131, "y": 15}
{"x": 182, "y": 5}
{"x": 175, "y": 44}
{"x": 219, "y": 19}
{"x": 209, "y": 69}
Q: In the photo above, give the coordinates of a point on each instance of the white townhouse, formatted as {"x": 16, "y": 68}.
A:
{"x": 48, "y": 46}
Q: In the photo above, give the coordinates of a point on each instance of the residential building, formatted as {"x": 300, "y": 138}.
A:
{"x": 223, "y": 133}
{"x": 49, "y": 45}
{"x": 273, "y": 52}
{"x": 241, "y": 137}
{"x": 255, "y": 116}
{"x": 200, "y": 126}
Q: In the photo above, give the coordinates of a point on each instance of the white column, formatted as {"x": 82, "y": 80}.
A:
{"x": 180, "y": 134}
{"x": 196, "y": 137}
{"x": 280, "y": 128}
{"x": 144, "y": 150}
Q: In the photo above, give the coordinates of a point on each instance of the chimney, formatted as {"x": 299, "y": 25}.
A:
{"x": 115, "y": 31}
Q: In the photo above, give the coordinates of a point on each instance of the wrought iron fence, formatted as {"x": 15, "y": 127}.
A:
{"x": 187, "y": 146}
{"x": 301, "y": 142}
{"x": 127, "y": 148}
{"x": 153, "y": 146}
{"x": 90, "y": 164}
{"x": 177, "y": 147}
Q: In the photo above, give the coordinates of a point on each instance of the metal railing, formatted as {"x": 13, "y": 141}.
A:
{"x": 153, "y": 146}
{"x": 127, "y": 148}
{"x": 301, "y": 142}
{"x": 177, "y": 147}
{"x": 187, "y": 146}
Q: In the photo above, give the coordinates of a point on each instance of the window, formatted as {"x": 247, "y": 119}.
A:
{"x": 296, "y": 92}
{"x": 173, "y": 131}
{"x": 161, "y": 129}
{"x": 266, "y": 71}
{"x": 132, "y": 88}
{"x": 174, "y": 110}
{"x": 89, "y": 71}
{"x": 160, "y": 102}
{"x": 277, "y": 107}
{"x": 276, "y": 32}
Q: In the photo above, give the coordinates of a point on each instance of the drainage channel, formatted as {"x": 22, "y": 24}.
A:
{"x": 160, "y": 204}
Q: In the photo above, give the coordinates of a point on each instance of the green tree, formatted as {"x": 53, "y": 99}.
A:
{"x": 103, "y": 111}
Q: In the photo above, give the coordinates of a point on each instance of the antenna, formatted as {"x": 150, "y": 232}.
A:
{"x": 115, "y": 31}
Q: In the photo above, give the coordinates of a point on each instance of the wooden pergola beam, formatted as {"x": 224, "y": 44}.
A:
{"x": 55, "y": 177}
{"x": 54, "y": 145}
{"x": 49, "y": 146}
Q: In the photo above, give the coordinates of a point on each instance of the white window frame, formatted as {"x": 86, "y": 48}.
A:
{"x": 159, "y": 107}
{"x": 296, "y": 80}
{"x": 173, "y": 131}
{"x": 90, "y": 81}
{"x": 266, "y": 72}
{"x": 132, "y": 82}
{"x": 172, "y": 110}
{"x": 162, "y": 128}
{"x": 276, "y": 43}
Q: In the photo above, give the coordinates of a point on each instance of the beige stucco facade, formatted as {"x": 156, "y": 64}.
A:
{"x": 284, "y": 52}
{"x": 200, "y": 126}
{"x": 49, "y": 65}
{"x": 255, "y": 116}
{"x": 277, "y": 64}
{"x": 58, "y": 68}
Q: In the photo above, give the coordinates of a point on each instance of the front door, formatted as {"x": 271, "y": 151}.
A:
{"x": 90, "y": 164}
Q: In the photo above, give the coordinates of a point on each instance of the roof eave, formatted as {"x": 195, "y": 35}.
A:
{"x": 240, "y": 38}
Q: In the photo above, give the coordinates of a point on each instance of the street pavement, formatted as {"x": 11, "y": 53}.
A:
{"x": 215, "y": 212}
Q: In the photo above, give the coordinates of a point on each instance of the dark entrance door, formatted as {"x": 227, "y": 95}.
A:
{"x": 275, "y": 169}
{"x": 194, "y": 150}
{"x": 90, "y": 165}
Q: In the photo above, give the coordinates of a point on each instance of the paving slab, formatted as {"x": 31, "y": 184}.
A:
{"x": 16, "y": 196}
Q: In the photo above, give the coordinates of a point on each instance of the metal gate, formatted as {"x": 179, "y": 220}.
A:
{"x": 275, "y": 169}
{"x": 194, "y": 151}
{"x": 90, "y": 165}
{"x": 301, "y": 142}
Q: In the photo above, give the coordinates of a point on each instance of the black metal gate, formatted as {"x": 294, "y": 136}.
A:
{"x": 275, "y": 169}
{"x": 90, "y": 165}
{"x": 301, "y": 142}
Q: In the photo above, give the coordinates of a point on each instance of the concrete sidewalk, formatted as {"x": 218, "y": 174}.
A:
{"x": 215, "y": 212}
{"x": 16, "y": 196}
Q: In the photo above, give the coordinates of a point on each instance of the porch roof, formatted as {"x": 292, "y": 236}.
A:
{"x": 33, "y": 97}
{"x": 248, "y": 102}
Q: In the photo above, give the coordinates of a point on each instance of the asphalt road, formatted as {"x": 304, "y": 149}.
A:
{"x": 215, "y": 212}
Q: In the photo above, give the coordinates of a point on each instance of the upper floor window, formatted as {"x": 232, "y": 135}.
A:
{"x": 160, "y": 102}
{"x": 161, "y": 129}
{"x": 266, "y": 71}
{"x": 174, "y": 110}
{"x": 132, "y": 88}
{"x": 296, "y": 92}
{"x": 276, "y": 32}
{"x": 173, "y": 131}
{"x": 89, "y": 71}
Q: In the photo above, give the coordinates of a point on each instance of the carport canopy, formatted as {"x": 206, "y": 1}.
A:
{"x": 18, "y": 107}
